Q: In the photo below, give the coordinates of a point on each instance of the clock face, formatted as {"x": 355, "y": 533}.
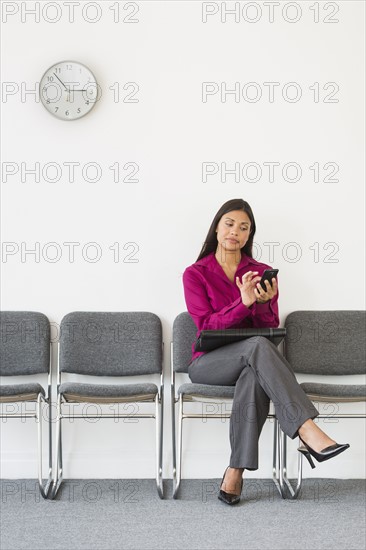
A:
{"x": 68, "y": 90}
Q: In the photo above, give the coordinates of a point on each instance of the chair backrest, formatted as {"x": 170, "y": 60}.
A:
{"x": 25, "y": 343}
{"x": 111, "y": 343}
{"x": 326, "y": 342}
{"x": 184, "y": 334}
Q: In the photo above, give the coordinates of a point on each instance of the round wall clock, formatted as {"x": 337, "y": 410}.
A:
{"x": 68, "y": 90}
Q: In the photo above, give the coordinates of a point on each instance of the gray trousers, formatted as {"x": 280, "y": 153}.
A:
{"x": 260, "y": 373}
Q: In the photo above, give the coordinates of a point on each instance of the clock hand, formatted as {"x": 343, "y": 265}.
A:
{"x": 61, "y": 82}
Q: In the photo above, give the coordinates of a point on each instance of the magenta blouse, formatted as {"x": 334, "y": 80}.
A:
{"x": 214, "y": 302}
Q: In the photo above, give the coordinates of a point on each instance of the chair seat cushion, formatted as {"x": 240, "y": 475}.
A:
{"x": 107, "y": 393}
{"x": 340, "y": 392}
{"x": 206, "y": 390}
{"x": 20, "y": 392}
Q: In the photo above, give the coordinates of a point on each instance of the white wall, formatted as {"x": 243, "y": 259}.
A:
{"x": 170, "y": 132}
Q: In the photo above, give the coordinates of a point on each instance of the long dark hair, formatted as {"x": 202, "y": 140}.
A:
{"x": 210, "y": 244}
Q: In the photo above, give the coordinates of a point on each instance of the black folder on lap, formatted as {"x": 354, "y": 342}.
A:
{"x": 212, "y": 339}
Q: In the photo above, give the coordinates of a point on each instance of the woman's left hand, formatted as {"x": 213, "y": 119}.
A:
{"x": 265, "y": 296}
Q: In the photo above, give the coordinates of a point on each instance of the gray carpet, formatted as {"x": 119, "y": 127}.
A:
{"x": 128, "y": 514}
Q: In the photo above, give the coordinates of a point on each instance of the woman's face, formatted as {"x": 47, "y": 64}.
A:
{"x": 233, "y": 230}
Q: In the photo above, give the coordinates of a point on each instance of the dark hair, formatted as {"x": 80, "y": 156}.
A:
{"x": 210, "y": 243}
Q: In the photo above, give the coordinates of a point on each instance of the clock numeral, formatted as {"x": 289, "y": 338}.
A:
{"x": 87, "y": 102}
{"x": 56, "y": 109}
{"x": 50, "y": 78}
{"x": 68, "y": 67}
{"x": 67, "y": 113}
{"x": 48, "y": 101}
{"x": 79, "y": 110}
{"x": 58, "y": 70}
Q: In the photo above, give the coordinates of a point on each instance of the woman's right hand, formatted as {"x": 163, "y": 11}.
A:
{"x": 247, "y": 286}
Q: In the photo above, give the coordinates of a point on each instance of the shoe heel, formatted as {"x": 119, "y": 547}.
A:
{"x": 308, "y": 456}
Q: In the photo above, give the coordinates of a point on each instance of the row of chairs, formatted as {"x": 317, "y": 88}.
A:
{"x": 122, "y": 344}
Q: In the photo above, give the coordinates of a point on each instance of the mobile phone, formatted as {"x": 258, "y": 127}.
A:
{"x": 267, "y": 276}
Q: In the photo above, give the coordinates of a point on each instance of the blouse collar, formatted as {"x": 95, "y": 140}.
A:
{"x": 212, "y": 264}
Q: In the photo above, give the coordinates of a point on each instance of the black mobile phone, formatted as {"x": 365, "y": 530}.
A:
{"x": 268, "y": 276}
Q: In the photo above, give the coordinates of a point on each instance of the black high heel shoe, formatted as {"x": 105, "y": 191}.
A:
{"x": 325, "y": 454}
{"x": 229, "y": 498}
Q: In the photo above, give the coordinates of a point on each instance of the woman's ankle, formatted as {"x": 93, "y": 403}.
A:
{"x": 236, "y": 470}
{"x": 314, "y": 436}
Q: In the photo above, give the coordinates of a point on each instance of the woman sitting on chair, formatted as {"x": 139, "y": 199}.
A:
{"x": 222, "y": 290}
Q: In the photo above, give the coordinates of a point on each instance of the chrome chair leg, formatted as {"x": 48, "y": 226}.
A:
{"x": 294, "y": 492}
{"x": 275, "y": 457}
{"x": 58, "y": 476}
{"x": 174, "y": 455}
{"x": 159, "y": 408}
{"x": 178, "y": 470}
{"x": 278, "y": 458}
{"x": 44, "y": 488}
{"x": 280, "y": 478}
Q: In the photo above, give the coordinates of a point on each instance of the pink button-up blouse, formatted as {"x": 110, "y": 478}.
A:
{"x": 214, "y": 302}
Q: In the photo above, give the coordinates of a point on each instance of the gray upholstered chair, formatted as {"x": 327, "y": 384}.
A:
{"x": 184, "y": 334}
{"x": 110, "y": 344}
{"x": 326, "y": 343}
{"x": 25, "y": 351}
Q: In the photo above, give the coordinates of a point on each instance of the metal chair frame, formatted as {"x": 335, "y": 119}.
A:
{"x": 295, "y": 491}
{"x": 43, "y": 487}
{"x": 158, "y": 399}
{"x": 279, "y": 442}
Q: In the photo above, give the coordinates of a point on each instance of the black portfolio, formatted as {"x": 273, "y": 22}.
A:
{"x": 212, "y": 339}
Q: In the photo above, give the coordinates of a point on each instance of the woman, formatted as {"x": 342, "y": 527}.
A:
{"x": 222, "y": 291}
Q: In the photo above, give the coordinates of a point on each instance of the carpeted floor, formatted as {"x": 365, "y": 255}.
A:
{"x": 128, "y": 514}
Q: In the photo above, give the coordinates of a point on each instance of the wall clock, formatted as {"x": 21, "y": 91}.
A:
{"x": 68, "y": 90}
